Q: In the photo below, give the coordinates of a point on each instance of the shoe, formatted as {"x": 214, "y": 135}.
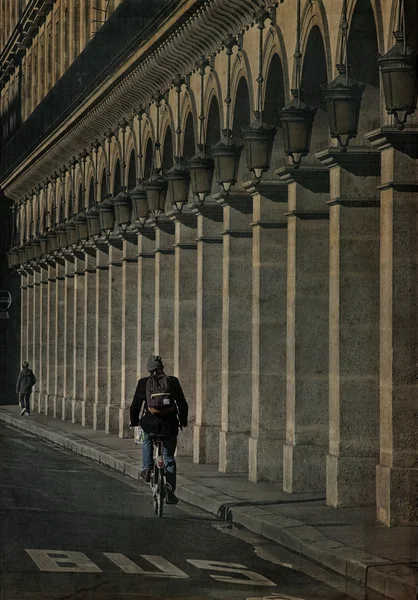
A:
{"x": 27, "y": 414}
{"x": 22, "y": 412}
{"x": 171, "y": 498}
{"x": 145, "y": 475}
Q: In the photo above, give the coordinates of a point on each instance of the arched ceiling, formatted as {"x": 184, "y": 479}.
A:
{"x": 178, "y": 46}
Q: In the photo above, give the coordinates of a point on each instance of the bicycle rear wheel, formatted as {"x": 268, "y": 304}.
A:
{"x": 154, "y": 487}
{"x": 160, "y": 496}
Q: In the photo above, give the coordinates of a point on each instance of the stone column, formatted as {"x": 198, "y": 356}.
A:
{"x": 59, "y": 339}
{"x": 164, "y": 293}
{"x": 44, "y": 329}
{"x": 89, "y": 351}
{"x": 146, "y": 299}
{"x": 50, "y": 367}
{"x": 269, "y": 272}
{"x": 185, "y": 319}
{"x": 114, "y": 339}
{"x": 68, "y": 340}
{"x": 236, "y": 333}
{"x": 307, "y": 329}
{"x": 23, "y": 316}
{"x": 78, "y": 339}
{"x": 209, "y": 333}
{"x": 37, "y": 350}
{"x": 129, "y": 327}
{"x": 100, "y": 386}
{"x": 353, "y": 326}
{"x": 30, "y": 292}
{"x": 397, "y": 472}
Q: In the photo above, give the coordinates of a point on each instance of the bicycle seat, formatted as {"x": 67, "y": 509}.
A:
{"x": 158, "y": 437}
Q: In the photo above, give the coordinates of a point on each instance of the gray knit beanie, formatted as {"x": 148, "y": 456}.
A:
{"x": 155, "y": 362}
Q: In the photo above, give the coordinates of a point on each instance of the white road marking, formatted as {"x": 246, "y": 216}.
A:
{"x": 277, "y": 597}
{"x": 63, "y": 562}
{"x": 252, "y": 578}
{"x": 128, "y": 566}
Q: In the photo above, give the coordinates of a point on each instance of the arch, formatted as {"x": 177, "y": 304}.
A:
{"x": 102, "y": 191}
{"x": 314, "y": 74}
{"x": 91, "y": 200}
{"x": 274, "y": 91}
{"x": 167, "y": 156}
{"x": 213, "y": 123}
{"x": 362, "y": 48}
{"x": 189, "y": 137}
{"x": 117, "y": 178}
{"x": 131, "y": 172}
{"x": 275, "y": 47}
{"x": 315, "y": 15}
{"x": 242, "y": 108}
{"x": 213, "y": 88}
{"x": 148, "y": 158}
{"x": 378, "y": 18}
{"x": 188, "y": 107}
{"x": 241, "y": 69}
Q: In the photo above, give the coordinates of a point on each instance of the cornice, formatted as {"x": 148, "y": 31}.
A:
{"x": 147, "y": 69}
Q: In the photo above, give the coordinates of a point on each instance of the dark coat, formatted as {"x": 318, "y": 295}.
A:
{"x": 158, "y": 424}
{"x": 25, "y": 381}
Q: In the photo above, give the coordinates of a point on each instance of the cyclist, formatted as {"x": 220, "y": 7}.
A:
{"x": 161, "y": 420}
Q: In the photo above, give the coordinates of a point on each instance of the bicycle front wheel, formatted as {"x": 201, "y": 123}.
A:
{"x": 160, "y": 495}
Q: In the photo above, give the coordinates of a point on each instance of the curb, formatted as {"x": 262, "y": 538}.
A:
{"x": 390, "y": 579}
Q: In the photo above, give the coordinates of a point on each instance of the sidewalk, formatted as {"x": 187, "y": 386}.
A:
{"x": 347, "y": 541}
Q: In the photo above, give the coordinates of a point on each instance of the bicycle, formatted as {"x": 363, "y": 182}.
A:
{"x": 158, "y": 481}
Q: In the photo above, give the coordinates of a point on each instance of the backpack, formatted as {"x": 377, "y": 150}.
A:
{"x": 159, "y": 398}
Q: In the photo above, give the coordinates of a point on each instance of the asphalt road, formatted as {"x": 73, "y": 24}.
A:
{"x": 71, "y": 529}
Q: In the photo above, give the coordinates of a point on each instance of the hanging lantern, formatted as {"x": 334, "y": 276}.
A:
{"x": 201, "y": 168}
{"x": 297, "y": 121}
{"x": 226, "y": 155}
{"x": 343, "y": 99}
{"x": 399, "y": 75}
{"x": 139, "y": 203}
{"x": 61, "y": 233}
{"x": 36, "y": 248}
{"x": 22, "y": 253}
{"x": 43, "y": 242}
{"x": 122, "y": 205}
{"x": 13, "y": 258}
{"x": 106, "y": 216}
{"x": 178, "y": 186}
{"x": 29, "y": 250}
{"x": 80, "y": 222}
{"x": 93, "y": 221}
{"x": 52, "y": 241}
{"x": 156, "y": 189}
{"x": 259, "y": 138}
{"x": 71, "y": 232}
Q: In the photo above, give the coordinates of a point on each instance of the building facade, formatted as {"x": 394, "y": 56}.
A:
{"x": 283, "y": 297}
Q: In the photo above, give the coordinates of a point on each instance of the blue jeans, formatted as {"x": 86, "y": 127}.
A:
{"x": 170, "y": 443}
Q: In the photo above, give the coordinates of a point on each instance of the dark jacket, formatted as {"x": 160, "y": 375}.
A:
{"x": 157, "y": 424}
{"x": 25, "y": 381}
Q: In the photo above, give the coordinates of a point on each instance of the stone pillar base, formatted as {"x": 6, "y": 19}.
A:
{"x": 206, "y": 444}
{"x": 397, "y": 493}
{"x": 67, "y": 409}
{"x": 87, "y": 409}
{"x": 59, "y": 407}
{"x": 99, "y": 420}
{"x": 112, "y": 419}
{"x": 76, "y": 411}
{"x": 351, "y": 481}
{"x": 304, "y": 468}
{"x": 265, "y": 459}
{"x": 233, "y": 452}
{"x": 50, "y": 408}
{"x": 185, "y": 442}
{"x": 124, "y": 420}
{"x": 36, "y": 402}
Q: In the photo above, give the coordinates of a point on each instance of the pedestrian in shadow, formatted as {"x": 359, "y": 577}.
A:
{"x": 24, "y": 385}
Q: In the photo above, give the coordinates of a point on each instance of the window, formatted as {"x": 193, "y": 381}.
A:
{"x": 57, "y": 50}
{"x": 76, "y": 27}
